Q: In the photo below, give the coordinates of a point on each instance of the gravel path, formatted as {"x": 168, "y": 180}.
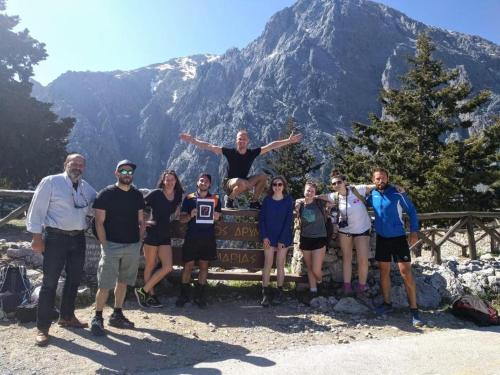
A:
{"x": 233, "y": 325}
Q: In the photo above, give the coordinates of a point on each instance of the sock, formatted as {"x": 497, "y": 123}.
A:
{"x": 313, "y": 290}
{"x": 98, "y": 314}
{"x": 117, "y": 311}
{"x": 348, "y": 287}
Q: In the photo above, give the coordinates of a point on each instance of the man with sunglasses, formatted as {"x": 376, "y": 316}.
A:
{"x": 59, "y": 208}
{"x": 120, "y": 227}
{"x": 239, "y": 162}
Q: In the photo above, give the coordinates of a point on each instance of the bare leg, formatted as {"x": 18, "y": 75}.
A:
{"x": 280, "y": 265}
{"x": 150, "y": 257}
{"x": 186, "y": 272}
{"x": 362, "y": 244}
{"x": 310, "y": 273}
{"x": 385, "y": 280}
{"x": 268, "y": 265}
{"x": 202, "y": 276}
{"x": 238, "y": 186}
{"x": 346, "y": 247}
{"x": 317, "y": 263}
{"x": 165, "y": 255}
{"x": 259, "y": 183}
{"x": 120, "y": 292}
{"x": 411, "y": 288}
{"x": 100, "y": 299}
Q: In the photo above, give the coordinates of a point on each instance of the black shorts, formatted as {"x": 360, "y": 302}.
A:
{"x": 154, "y": 237}
{"x": 199, "y": 249}
{"x": 366, "y": 233}
{"x": 310, "y": 243}
{"x": 394, "y": 247}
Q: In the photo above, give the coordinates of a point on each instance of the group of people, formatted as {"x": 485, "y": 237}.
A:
{"x": 61, "y": 204}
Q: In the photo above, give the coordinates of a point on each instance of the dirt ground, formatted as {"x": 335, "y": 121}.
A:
{"x": 234, "y": 324}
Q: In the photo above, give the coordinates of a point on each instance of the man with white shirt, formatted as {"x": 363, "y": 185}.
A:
{"x": 59, "y": 208}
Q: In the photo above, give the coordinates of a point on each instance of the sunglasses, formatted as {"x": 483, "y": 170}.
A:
{"x": 335, "y": 183}
{"x": 125, "y": 172}
{"x": 277, "y": 183}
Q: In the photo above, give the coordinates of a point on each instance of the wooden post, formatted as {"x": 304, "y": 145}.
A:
{"x": 472, "y": 240}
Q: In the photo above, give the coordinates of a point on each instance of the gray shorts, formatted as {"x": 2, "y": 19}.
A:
{"x": 119, "y": 263}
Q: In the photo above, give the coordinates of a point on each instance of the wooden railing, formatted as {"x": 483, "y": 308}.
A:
{"x": 466, "y": 222}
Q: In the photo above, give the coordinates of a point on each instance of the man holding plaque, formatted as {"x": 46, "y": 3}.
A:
{"x": 199, "y": 210}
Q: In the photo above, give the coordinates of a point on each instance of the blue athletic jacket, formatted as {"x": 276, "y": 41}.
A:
{"x": 388, "y": 207}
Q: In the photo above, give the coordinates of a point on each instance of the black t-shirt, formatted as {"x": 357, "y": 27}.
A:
{"x": 161, "y": 208}
{"x": 239, "y": 165}
{"x": 121, "y": 223}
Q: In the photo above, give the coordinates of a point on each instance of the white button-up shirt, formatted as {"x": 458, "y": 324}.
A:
{"x": 57, "y": 204}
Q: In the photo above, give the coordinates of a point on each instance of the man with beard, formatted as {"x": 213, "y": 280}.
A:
{"x": 120, "y": 227}
{"x": 389, "y": 205}
{"x": 239, "y": 162}
{"x": 199, "y": 243}
{"x": 59, "y": 207}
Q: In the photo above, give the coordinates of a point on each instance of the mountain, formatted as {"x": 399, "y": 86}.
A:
{"x": 321, "y": 61}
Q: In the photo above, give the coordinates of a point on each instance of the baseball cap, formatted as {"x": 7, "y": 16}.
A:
{"x": 125, "y": 162}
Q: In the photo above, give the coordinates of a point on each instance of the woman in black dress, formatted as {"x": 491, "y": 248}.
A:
{"x": 164, "y": 203}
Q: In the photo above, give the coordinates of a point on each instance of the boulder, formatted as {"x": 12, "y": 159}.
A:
{"x": 427, "y": 295}
{"x": 350, "y": 305}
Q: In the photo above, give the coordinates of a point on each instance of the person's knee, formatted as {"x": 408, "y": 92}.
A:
{"x": 166, "y": 269}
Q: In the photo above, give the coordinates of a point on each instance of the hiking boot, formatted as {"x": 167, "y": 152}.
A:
{"x": 279, "y": 297}
{"x": 153, "y": 301}
{"x": 118, "y": 320}
{"x": 255, "y": 205}
{"x": 384, "y": 308}
{"x": 42, "y": 337}
{"x": 97, "y": 326}
{"x": 184, "y": 296}
{"x": 266, "y": 297}
{"x": 228, "y": 202}
{"x": 199, "y": 298}
{"x": 142, "y": 297}
{"x": 73, "y": 322}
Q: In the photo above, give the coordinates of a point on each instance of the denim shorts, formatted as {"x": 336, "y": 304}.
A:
{"x": 119, "y": 263}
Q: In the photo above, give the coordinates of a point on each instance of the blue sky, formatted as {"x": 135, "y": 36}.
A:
{"x": 102, "y": 35}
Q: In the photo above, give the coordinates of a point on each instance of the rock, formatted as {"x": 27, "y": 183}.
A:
{"x": 351, "y": 306}
{"x": 16, "y": 253}
{"x": 320, "y": 303}
{"x": 446, "y": 284}
{"x": 332, "y": 301}
{"x": 494, "y": 283}
{"x": 490, "y": 271}
{"x": 399, "y": 297}
{"x": 487, "y": 256}
{"x": 472, "y": 282}
{"x": 427, "y": 295}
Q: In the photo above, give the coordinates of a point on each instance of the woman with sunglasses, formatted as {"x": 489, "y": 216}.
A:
{"x": 275, "y": 229}
{"x": 164, "y": 203}
{"x": 312, "y": 216}
{"x": 354, "y": 225}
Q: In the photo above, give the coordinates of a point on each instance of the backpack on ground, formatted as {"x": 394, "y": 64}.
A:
{"x": 15, "y": 287}
{"x": 475, "y": 309}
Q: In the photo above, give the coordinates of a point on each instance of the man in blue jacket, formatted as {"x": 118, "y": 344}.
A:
{"x": 392, "y": 244}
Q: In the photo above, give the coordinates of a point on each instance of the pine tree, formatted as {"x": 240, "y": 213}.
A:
{"x": 410, "y": 140}
{"x": 294, "y": 162}
{"x": 33, "y": 139}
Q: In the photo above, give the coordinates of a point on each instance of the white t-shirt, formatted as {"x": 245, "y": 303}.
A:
{"x": 356, "y": 216}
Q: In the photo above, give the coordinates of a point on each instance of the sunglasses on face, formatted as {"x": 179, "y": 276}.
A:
{"x": 277, "y": 184}
{"x": 125, "y": 172}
